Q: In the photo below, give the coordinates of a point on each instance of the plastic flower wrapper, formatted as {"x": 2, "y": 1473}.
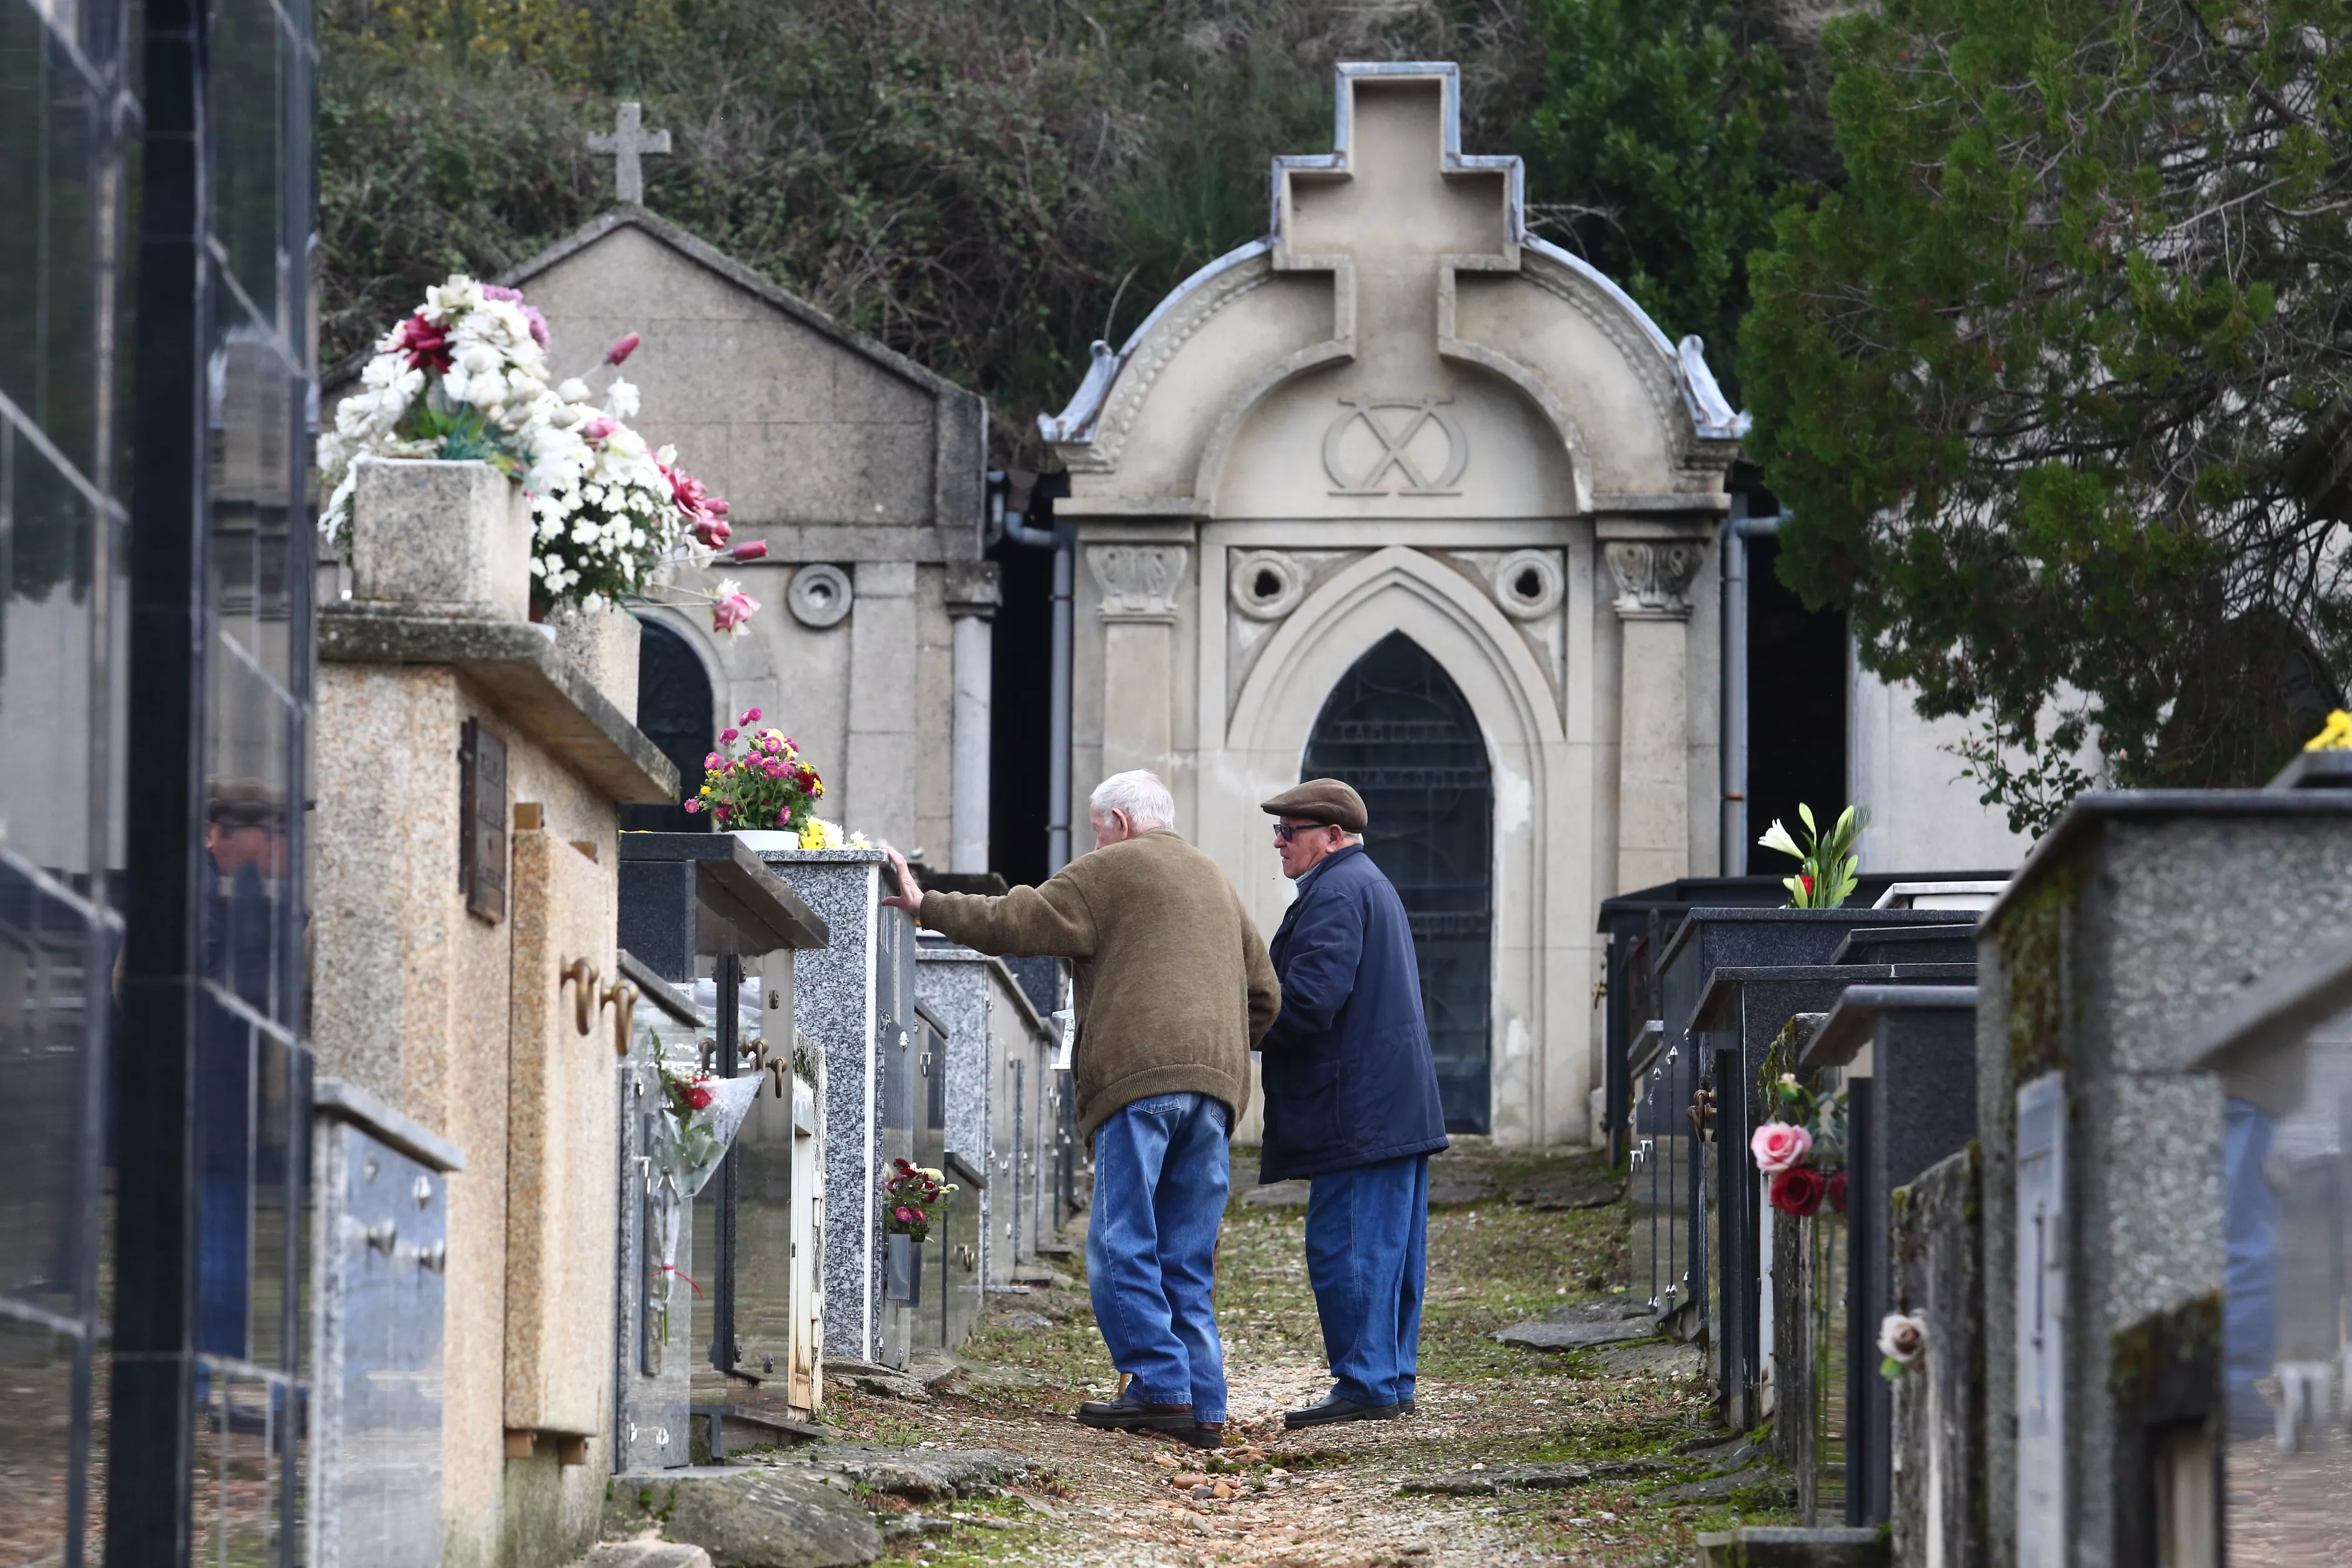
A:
{"x": 703, "y": 1114}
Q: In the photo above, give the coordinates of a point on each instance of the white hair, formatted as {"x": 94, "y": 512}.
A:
{"x": 1140, "y": 795}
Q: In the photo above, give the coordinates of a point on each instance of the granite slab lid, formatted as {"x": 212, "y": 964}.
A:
{"x": 2276, "y": 1014}
{"x": 652, "y": 987}
{"x": 2091, "y": 811}
{"x": 1718, "y": 1003}
{"x": 1954, "y": 943}
{"x": 344, "y": 1101}
{"x": 1853, "y": 1022}
{"x": 740, "y": 906}
{"x": 2314, "y": 770}
{"x": 1806, "y": 935}
{"x": 1627, "y": 910}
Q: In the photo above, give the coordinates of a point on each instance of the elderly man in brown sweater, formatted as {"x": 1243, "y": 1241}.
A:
{"x": 1174, "y": 989}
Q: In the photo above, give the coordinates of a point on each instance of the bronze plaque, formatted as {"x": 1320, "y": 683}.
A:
{"x": 482, "y": 819}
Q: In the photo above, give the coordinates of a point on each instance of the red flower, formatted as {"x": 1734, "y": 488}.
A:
{"x": 1836, "y": 1193}
{"x": 697, "y": 1096}
{"x": 623, "y": 349}
{"x": 1799, "y": 1191}
{"x": 751, "y": 550}
{"x": 1806, "y": 882}
{"x": 428, "y": 346}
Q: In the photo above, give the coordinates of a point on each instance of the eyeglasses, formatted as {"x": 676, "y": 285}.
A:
{"x": 1284, "y": 832}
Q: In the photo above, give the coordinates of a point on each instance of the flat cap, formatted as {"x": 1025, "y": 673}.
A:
{"x": 1320, "y": 800}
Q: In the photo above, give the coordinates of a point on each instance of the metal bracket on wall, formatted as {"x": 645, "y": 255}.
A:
{"x": 582, "y": 974}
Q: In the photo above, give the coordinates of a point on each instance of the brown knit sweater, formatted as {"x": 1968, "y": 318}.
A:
{"x": 1174, "y": 987}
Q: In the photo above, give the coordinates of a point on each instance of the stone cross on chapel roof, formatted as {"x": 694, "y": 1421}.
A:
{"x": 1397, "y": 209}
{"x": 627, "y": 145}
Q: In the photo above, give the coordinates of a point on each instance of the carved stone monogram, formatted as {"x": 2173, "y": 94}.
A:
{"x": 1138, "y": 582}
{"x": 1378, "y": 442}
{"x": 1654, "y": 580}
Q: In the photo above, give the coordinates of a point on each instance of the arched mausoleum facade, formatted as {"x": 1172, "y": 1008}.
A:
{"x": 1401, "y": 416}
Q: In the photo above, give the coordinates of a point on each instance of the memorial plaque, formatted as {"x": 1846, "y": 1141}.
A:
{"x": 482, "y": 817}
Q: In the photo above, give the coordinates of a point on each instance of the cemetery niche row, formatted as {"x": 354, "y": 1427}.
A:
{"x": 533, "y": 1279}
{"x": 2088, "y": 1188}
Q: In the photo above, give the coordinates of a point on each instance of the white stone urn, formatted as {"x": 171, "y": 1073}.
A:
{"x": 602, "y": 644}
{"x": 767, "y": 841}
{"x": 435, "y": 537}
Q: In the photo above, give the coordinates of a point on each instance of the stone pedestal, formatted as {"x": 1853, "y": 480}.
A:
{"x": 601, "y": 644}
{"x": 2139, "y": 919}
{"x": 999, "y": 1063}
{"x": 1906, "y": 1055}
{"x": 856, "y": 999}
{"x": 1940, "y": 1406}
{"x": 422, "y": 919}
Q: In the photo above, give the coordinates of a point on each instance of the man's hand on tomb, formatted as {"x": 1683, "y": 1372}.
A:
{"x": 910, "y": 896}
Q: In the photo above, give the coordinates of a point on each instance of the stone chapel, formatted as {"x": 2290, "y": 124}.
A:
{"x": 1403, "y": 491}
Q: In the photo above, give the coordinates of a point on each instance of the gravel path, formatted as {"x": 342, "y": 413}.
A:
{"x": 1607, "y": 1430}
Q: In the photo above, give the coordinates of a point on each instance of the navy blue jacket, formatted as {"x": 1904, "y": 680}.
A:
{"x": 1347, "y": 1074}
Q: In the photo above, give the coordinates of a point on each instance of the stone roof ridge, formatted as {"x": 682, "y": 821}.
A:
{"x": 1710, "y": 412}
{"x": 628, "y": 214}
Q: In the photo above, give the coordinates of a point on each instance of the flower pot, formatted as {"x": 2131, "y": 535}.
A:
{"x": 765, "y": 841}
{"x": 435, "y": 537}
{"x": 601, "y": 644}
{"x": 903, "y": 1270}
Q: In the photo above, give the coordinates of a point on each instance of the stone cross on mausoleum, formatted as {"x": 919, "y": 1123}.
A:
{"x": 626, "y": 146}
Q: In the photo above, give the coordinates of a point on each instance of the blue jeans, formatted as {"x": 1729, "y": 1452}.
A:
{"x": 1367, "y": 1257}
{"x": 2250, "y": 1266}
{"x": 1160, "y": 1174}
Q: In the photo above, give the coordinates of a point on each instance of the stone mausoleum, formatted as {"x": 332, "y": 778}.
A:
{"x": 1403, "y": 492}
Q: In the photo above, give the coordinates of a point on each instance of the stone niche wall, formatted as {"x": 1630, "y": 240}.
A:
{"x": 461, "y": 1022}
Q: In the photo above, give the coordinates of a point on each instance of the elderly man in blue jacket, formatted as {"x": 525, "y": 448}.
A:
{"x": 1351, "y": 1100}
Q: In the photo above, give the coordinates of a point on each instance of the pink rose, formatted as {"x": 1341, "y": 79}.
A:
{"x": 623, "y": 349}
{"x": 1779, "y": 1146}
{"x": 751, "y": 550}
{"x": 598, "y": 428}
{"x": 730, "y": 611}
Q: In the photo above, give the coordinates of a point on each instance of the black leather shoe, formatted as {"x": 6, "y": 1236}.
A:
{"x": 1334, "y": 1408}
{"x": 1404, "y": 1406}
{"x": 1205, "y": 1435}
{"x": 1129, "y": 1413}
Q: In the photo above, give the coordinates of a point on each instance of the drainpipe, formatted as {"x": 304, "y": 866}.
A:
{"x": 1062, "y": 538}
{"x": 1737, "y": 530}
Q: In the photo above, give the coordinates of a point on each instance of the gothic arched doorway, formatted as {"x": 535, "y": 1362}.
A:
{"x": 674, "y": 711}
{"x": 1399, "y": 730}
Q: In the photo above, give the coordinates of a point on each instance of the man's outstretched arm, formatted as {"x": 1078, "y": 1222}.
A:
{"x": 1049, "y": 922}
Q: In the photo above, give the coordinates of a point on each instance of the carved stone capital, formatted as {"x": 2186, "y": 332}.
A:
{"x": 1654, "y": 579}
{"x": 1138, "y": 582}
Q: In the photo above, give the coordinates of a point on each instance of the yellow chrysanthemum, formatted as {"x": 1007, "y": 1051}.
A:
{"x": 2334, "y": 736}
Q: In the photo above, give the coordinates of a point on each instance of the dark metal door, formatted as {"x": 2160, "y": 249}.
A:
{"x": 1399, "y": 730}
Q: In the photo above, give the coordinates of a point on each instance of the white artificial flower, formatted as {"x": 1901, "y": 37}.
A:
{"x": 621, "y": 397}
{"x": 572, "y": 389}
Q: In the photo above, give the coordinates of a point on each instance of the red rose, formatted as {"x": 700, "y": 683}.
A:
{"x": 1807, "y": 881}
{"x": 1799, "y": 1191}
{"x": 426, "y": 345}
{"x": 1836, "y": 1191}
{"x": 696, "y": 1095}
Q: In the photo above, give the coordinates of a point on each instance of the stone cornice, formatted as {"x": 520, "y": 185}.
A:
{"x": 516, "y": 665}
